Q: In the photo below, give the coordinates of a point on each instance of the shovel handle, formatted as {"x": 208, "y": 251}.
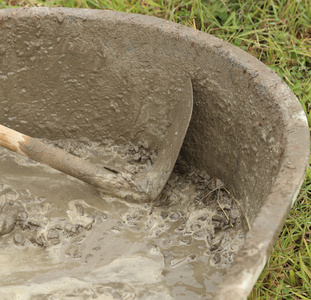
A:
{"x": 113, "y": 183}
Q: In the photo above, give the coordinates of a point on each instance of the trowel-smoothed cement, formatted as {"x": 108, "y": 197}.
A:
{"x": 61, "y": 238}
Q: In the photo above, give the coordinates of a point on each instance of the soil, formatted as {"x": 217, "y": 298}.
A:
{"x": 61, "y": 238}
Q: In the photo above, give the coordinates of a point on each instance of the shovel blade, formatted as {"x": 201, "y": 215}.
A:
{"x": 154, "y": 180}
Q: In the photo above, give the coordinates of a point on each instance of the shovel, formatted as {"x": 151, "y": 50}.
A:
{"x": 138, "y": 188}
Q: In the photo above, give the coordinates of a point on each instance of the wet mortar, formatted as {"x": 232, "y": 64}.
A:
{"x": 61, "y": 237}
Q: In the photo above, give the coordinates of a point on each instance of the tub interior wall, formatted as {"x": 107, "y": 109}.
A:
{"x": 113, "y": 79}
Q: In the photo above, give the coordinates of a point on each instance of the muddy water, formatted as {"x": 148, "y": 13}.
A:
{"x": 62, "y": 239}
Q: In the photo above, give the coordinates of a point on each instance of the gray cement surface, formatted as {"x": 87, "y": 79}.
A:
{"x": 69, "y": 73}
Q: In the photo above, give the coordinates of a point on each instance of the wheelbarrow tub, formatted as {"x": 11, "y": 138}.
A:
{"x": 64, "y": 73}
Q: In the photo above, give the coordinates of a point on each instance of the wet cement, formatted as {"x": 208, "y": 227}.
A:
{"x": 61, "y": 238}
{"x": 247, "y": 126}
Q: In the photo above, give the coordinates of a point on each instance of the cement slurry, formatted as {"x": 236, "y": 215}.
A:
{"x": 60, "y": 237}
{"x": 67, "y": 73}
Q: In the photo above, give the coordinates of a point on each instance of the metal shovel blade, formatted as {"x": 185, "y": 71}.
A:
{"x": 143, "y": 187}
{"x": 154, "y": 180}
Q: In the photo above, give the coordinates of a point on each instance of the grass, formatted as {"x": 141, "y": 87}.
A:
{"x": 279, "y": 34}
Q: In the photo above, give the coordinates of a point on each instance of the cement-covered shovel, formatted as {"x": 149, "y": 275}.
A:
{"x": 140, "y": 187}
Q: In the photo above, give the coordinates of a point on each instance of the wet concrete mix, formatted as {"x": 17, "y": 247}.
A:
{"x": 61, "y": 238}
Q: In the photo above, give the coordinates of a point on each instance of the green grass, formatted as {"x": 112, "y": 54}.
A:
{"x": 279, "y": 34}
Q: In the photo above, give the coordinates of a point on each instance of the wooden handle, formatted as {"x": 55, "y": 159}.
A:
{"x": 10, "y": 139}
{"x": 112, "y": 183}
